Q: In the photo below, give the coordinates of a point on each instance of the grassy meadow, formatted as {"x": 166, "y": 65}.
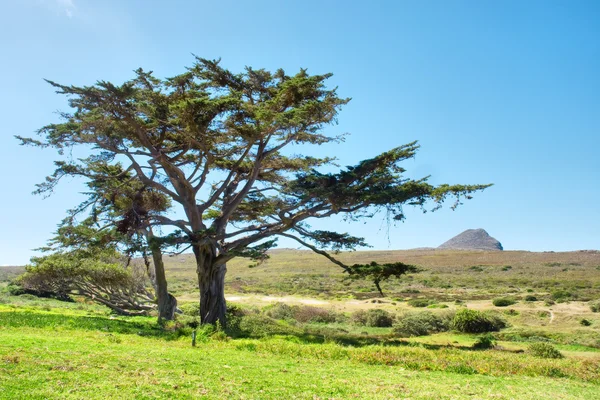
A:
{"x": 297, "y": 330}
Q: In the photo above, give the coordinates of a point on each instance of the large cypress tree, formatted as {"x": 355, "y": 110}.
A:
{"x": 215, "y": 145}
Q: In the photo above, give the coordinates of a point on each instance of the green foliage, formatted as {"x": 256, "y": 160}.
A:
{"x": 302, "y": 314}
{"x": 530, "y": 297}
{"x": 419, "y": 302}
{"x": 544, "y": 350}
{"x": 437, "y": 306}
{"x": 259, "y": 325}
{"x": 191, "y": 309}
{"x": 102, "y": 278}
{"x": 380, "y": 272}
{"x": 473, "y": 321}
{"x": 212, "y": 142}
{"x": 486, "y": 341}
{"x": 503, "y": 302}
{"x": 420, "y": 324}
{"x": 306, "y": 314}
{"x": 14, "y": 289}
{"x": 585, "y": 322}
{"x": 595, "y": 306}
{"x": 562, "y": 295}
{"x": 373, "y": 317}
{"x": 280, "y": 310}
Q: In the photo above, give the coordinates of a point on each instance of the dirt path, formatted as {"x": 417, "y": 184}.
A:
{"x": 272, "y": 299}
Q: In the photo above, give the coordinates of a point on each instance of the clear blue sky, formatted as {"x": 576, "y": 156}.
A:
{"x": 505, "y": 92}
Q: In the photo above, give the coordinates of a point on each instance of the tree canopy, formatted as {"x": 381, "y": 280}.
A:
{"x": 202, "y": 160}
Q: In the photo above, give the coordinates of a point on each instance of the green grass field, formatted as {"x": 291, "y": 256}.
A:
{"x": 56, "y": 350}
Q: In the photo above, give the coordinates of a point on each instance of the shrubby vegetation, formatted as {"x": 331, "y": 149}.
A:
{"x": 503, "y": 301}
{"x": 562, "y": 295}
{"x": 420, "y": 302}
{"x": 483, "y": 342}
{"x": 544, "y": 350}
{"x": 104, "y": 277}
{"x": 373, "y": 318}
{"x": 472, "y": 321}
{"x": 421, "y": 323}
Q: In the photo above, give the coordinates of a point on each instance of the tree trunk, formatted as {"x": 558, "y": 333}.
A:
{"x": 211, "y": 282}
{"x": 167, "y": 303}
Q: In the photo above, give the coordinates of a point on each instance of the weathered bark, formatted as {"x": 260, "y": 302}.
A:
{"x": 211, "y": 282}
{"x": 167, "y": 303}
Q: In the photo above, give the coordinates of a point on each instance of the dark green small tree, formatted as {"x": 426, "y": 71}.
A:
{"x": 104, "y": 277}
{"x": 215, "y": 143}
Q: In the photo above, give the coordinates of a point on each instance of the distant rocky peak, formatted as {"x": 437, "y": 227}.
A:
{"x": 472, "y": 239}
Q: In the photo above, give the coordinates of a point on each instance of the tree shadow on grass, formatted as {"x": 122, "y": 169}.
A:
{"x": 35, "y": 319}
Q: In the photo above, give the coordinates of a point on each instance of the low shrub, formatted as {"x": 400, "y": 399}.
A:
{"x": 191, "y": 309}
{"x": 544, "y": 350}
{"x": 419, "y": 302}
{"x": 472, "y": 321}
{"x": 562, "y": 295}
{"x": 595, "y": 306}
{"x": 585, "y": 322}
{"x": 437, "y": 306}
{"x": 420, "y": 324}
{"x": 530, "y": 297}
{"x": 544, "y": 314}
{"x": 316, "y": 314}
{"x": 373, "y": 317}
{"x": 302, "y": 314}
{"x": 503, "y": 302}
{"x": 486, "y": 341}
{"x": 15, "y": 289}
{"x": 259, "y": 325}
{"x": 280, "y": 311}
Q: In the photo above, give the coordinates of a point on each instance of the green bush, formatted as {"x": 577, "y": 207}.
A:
{"x": 544, "y": 350}
{"x": 303, "y": 314}
{"x": 379, "y": 318}
{"x": 419, "y": 302}
{"x": 437, "y": 306}
{"x": 595, "y": 306}
{"x": 280, "y": 311}
{"x": 530, "y": 297}
{"x": 585, "y": 322}
{"x": 562, "y": 295}
{"x": 472, "y": 321}
{"x": 259, "y": 325}
{"x": 373, "y": 317}
{"x": 316, "y": 314}
{"x": 486, "y": 341}
{"x": 191, "y": 309}
{"x": 15, "y": 289}
{"x": 503, "y": 302}
{"x": 420, "y": 324}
